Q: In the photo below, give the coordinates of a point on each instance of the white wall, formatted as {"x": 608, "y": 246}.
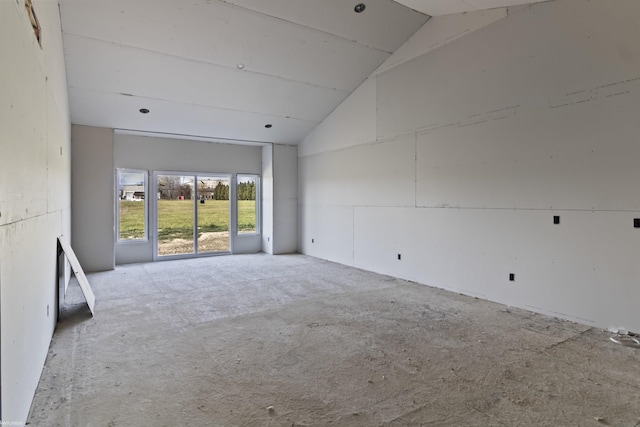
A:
{"x": 459, "y": 151}
{"x": 285, "y": 199}
{"x": 164, "y": 154}
{"x": 267, "y": 199}
{"x": 92, "y": 201}
{"x": 34, "y": 196}
{"x": 279, "y": 199}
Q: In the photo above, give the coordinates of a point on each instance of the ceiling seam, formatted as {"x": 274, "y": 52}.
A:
{"x": 475, "y": 8}
{"x": 439, "y": 45}
{"x": 201, "y": 61}
{"x": 233, "y": 5}
{"x": 186, "y": 136}
{"x": 286, "y": 117}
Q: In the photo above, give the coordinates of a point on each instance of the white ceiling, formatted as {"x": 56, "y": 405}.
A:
{"x": 447, "y": 7}
{"x": 179, "y": 59}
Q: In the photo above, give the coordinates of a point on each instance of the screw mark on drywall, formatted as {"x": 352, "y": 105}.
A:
{"x": 587, "y": 95}
{"x": 618, "y": 94}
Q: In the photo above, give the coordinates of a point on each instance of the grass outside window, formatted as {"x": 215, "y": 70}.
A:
{"x": 177, "y": 219}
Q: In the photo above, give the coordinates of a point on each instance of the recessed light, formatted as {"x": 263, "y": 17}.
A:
{"x": 144, "y": 110}
{"x": 240, "y": 66}
{"x": 268, "y": 125}
{"x": 360, "y": 7}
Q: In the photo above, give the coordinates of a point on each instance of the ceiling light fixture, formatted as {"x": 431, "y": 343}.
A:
{"x": 240, "y": 66}
{"x": 144, "y": 110}
{"x": 360, "y": 7}
{"x": 268, "y": 125}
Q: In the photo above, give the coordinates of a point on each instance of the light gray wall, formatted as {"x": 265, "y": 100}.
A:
{"x": 267, "y": 199}
{"x": 285, "y": 199}
{"x": 165, "y": 154}
{"x": 279, "y": 199}
{"x": 34, "y": 196}
{"x": 92, "y": 200}
{"x": 459, "y": 151}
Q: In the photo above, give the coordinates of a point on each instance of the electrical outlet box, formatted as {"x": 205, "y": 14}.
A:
{"x": 556, "y": 219}
{"x": 512, "y": 277}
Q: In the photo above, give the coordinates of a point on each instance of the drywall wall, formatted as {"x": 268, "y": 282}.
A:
{"x": 165, "y": 154}
{"x": 279, "y": 199}
{"x": 443, "y": 30}
{"x": 267, "y": 199}
{"x": 355, "y": 117}
{"x": 34, "y": 196}
{"x": 476, "y": 144}
{"x": 285, "y": 199}
{"x": 92, "y": 201}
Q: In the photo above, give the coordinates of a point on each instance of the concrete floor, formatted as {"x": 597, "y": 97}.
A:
{"x": 257, "y": 340}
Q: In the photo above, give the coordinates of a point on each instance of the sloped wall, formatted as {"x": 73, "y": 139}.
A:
{"x": 458, "y": 159}
{"x": 34, "y": 196}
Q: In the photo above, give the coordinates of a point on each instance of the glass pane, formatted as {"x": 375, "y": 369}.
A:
{"x": 175, "y": 214}
{"x": 213, "y": 214}
{"x": 131, "y": 205}
{"x": 247, "y": 204}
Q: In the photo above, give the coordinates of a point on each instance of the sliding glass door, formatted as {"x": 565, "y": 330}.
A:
{"x": 212, "y": 213}
{"x": 175, "y": 214}
{"x": 192, "y": 214}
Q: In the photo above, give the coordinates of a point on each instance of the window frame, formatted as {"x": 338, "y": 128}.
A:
{"x": 145, "y": 173}
{"x": 258, "y": 205}
{"x": 153, "y": 216}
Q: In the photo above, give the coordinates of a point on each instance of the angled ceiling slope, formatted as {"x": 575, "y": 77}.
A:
{"x": 448, "y": 7}
{"x": 223, "y": 69}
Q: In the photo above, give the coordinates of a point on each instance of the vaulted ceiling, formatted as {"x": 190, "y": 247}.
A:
{"x": 229, "y": 69}
{"x": 448, "y": 7}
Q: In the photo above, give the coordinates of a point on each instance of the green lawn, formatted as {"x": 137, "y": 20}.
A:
{"x": 175, "y": 219}
{"x": 246, "y": 216}
{"x": 131, "y": 220}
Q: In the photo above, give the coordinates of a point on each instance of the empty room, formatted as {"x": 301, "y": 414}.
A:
{"x": 319, "y": 212}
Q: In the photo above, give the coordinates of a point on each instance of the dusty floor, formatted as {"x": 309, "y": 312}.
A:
{"x": 257, "y": 340}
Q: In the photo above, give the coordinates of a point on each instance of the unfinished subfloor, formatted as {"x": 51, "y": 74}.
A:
{"x": 259, "y": 340}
